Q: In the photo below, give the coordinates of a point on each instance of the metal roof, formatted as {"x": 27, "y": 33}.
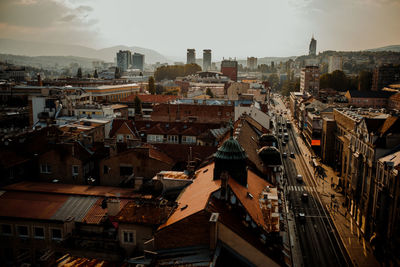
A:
{"x": 230, "y": 150}
{"x": 76, "y": 207}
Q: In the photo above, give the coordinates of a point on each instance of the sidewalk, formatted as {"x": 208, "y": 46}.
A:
{"x": 357, "y": 247}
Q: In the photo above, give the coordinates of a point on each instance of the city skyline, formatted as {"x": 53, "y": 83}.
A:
{"x": 273, "y": 28}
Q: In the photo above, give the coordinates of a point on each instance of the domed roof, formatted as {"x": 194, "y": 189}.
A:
{"x": 231, "y": 150}
{"x": 270, "y": 155}
{"x": 267, "y": 138}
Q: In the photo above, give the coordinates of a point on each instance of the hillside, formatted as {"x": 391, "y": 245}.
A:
{"x": 28, "y": 48}
{"x": 393, "y": 48}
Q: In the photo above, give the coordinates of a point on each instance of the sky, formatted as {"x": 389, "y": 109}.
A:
{"x": 231, "y": 28}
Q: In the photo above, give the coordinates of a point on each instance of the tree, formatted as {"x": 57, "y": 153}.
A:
{"x": 364, "y": 81}
{"x": 273, "y": 80}
{"x": 152, "y": 88}
{"x": 117, "y": 74}
{"x": 95, "y": 75}
{"x": 173, "y": 71}
{"x": 209, "y": 93}
{"x": 159, "y": 89}
{"x": 138, "y": 105}
{"x": 79, "y": 73}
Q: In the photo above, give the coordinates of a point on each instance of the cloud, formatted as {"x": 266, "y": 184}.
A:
{"x": 54, "y": 21}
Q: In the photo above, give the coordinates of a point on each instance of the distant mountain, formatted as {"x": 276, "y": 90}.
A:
{"x": 393, "y": 48}
{"x": 28, "y": 48}
{"x": 47, "y": 61}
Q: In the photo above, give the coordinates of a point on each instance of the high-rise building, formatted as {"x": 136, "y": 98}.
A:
{"x": 206, "y": 59}
{"x": 252, "y": 63}
{"x": 335, "y": 63}
{"x": 309, "y": 80}
{"x": 124, "y": 60}
{"x": 191, "y": 56}
{"x": 229, "y": 68}
{"x": 385, "y": 75}
{"x": 138, "y": 61}
{"x": 313, "y": 47}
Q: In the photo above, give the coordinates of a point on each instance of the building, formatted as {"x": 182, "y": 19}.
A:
{"x": 385, "y": 210}
{"x": 369, "y": 99}
{"x": 252, "y": 63}
{"x": 229, "y": 208}
{"x": 328, "y": 140}
{"x": 312, "y": 50}
{"x": 138, "y": 61}
{"x": 124, "y": 60}
{"x": 191, "y": 56}
{"x": 309, "y": 80}
{"x": 335, "y": 63}
{"x": 229, "y": 68}
{"x": 385, "y": 75}
{"x": 206, "y": 59}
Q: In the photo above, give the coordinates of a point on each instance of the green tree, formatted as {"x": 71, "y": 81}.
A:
{"x": 209, "y": 93}
{"x": 95, "y": 75}
{"x": 152, "y": 88}
{"x": 160, "y": 89}
{"x": 79, "y": 73}
{"x": 364, "y": 81}
{"x": 273, "y": 80}
{"x": 138, "y": 105}
{"x": 173, "y": 71}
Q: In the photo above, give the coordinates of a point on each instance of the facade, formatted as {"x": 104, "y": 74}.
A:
{"x": 124, "y": 60}
{"x": 229, "y": 68}
{"x": 386, "y": 210}
{"x": 138, "y": 61}
{"x": 369, "y": 99}
{"x": 385, "y": 75}
{"x": 335, "y": 63}
{"x": 309, "y": 80}
{"x": 312, "y": 50}
{"x": 206, "y": 59}
{"x": 328, "y": 141}
{"x": 191, "y": 56}
{"x": 252, "y": 63}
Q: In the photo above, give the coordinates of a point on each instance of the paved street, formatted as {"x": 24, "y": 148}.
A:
{"x": 356, "y": 247}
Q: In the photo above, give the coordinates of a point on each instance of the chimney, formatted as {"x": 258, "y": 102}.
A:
{"x": 113, "y": 207}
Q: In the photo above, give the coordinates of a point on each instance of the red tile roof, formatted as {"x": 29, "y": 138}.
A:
{"x": 195, "y": 197}
{"x": 97, "y": 213}
{"x": 255, "y": 187}
{"x": 151, "y": 98}
{"x": 30, "y": 205}
{"x": 70, "y": 189}
{"x": 117, "y": 124}
{"x": 160, "y": 156}
{"x": 143, "y": 213}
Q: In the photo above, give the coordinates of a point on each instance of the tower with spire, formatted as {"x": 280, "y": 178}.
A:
{"x": 312, "y": 51}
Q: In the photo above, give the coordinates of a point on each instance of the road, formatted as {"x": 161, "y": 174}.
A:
{"x": 317, "y": 237}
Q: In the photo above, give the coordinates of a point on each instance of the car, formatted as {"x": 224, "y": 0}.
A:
{"x": 279, "y": 136}
{"x": 291, "y": 154}
{"x": 304, "y": 197}
{"x": 285, "y": 130}
{"x": 280, "y": 130}
{"x": 284, "y": 155}
{"x": 299, "y": 178}
{"x": 283, "y": 143}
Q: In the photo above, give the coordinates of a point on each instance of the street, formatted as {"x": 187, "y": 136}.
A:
{"x": 317, "y": 237}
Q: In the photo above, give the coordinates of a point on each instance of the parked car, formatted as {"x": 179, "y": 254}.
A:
{"x": 284, "y": 155}
{"x": 283, "y": 143}
{"x": 291, "y": 154}
{"x": 299, "y": 178}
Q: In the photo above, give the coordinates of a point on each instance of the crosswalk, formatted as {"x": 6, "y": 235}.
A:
{"x": 301, "y": 188}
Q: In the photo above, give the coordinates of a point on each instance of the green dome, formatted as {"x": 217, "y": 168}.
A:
{"x": 230, "y": 150}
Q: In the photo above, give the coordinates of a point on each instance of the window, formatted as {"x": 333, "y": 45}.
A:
{"x": 45, "y": 168}
{"x": 172, "y": 139}
{"x": 38, "y": 232}
{"x": 155, "y": 138}
{"x": 56, "y": 234}
{"x": 120, "y": 138}
{"x": 128, "y": 136}
{"x": 75, "y": 170}
{"x": 6, "y": 229}
{"x": 129, "y": 237}
{"x": 188, "y": 139}
{"x": 22, "y": 231}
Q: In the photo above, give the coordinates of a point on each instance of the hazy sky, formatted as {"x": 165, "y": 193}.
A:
{"x": 231, "y": 28}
